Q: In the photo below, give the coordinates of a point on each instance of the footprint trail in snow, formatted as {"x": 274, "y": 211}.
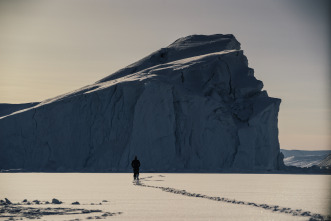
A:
{"x": 273, "y": 208}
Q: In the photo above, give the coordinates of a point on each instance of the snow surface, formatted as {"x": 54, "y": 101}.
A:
{"x": 302, "y": 158}
{"x": 303, "y": 195}
{"x": 192, "y": 106}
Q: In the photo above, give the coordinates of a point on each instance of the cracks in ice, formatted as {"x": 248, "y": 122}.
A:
{"x": 23, "y": 147}
{"x": 273, "y": 208}
{"x": 177, "y": 132}
{"x": 49, "y": 152}
{"x": 33, "y": 117}
{"x": 209, "y": 79}
{"x": 128, "y": 152}
{"x": 112, "y": 108}
{"x": 190, "y": 141}
{"x": 115, "y": 103}
{"x": 236, "y": 148}
{"x": 230, "y": 81}
{"x": 90, "y": 144}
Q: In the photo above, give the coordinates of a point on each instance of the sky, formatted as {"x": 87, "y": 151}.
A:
{"x": 48, "y": 48}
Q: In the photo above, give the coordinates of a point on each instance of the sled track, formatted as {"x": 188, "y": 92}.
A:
{"x": 274, "y": 208}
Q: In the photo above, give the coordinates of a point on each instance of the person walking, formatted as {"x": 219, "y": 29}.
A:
{"x": 135, "y": 165}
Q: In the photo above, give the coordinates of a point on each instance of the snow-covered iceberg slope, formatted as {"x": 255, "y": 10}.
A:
{"x": 6, "y": 109}
{"x": 192, "y": 106}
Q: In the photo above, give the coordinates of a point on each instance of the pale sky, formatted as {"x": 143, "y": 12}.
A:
{"x": 52, "y": 47}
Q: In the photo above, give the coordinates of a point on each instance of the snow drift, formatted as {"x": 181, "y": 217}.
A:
{"x": 192, "y": 106}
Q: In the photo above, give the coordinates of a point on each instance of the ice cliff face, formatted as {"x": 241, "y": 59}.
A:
{"x": 192, "y": 106}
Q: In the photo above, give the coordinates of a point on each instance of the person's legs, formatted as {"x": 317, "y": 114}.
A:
{"x": 136, "y": 174}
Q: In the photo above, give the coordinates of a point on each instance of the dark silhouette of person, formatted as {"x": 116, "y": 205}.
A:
{"x": 135, "y": 165}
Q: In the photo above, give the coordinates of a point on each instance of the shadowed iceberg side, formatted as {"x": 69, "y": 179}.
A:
{"x": 192, "y": 106}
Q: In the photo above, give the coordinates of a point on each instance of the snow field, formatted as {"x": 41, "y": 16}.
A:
{"x": 134, "y": 202}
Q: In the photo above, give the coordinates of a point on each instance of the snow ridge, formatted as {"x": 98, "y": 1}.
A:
{"x": 190, "y": 46}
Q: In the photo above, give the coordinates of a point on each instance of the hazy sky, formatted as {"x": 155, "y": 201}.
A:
{"x": 51, "y": 47}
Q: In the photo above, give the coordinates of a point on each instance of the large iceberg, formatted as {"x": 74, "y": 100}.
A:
{"x": 192, "y": 106}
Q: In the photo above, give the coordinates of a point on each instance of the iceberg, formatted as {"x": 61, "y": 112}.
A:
{"x": 192, "y": 106}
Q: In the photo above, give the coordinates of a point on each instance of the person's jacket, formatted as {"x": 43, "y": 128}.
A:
{"x": 135, "y": 164}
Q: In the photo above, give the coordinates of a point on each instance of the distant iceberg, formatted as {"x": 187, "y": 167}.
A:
{"x": 305, "y": 158}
